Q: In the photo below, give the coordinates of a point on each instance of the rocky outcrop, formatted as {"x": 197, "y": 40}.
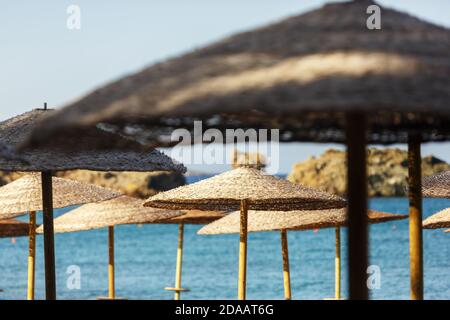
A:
{"x": 247, "y": 159}
{"x": 136, "y": 184}
{"x": 387, "y": 171}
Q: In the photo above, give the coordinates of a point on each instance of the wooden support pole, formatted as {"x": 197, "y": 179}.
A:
{"x": 49, "y": 244}
{"x": 415, "y": 217}
{"x": 31, "y": 255}
{"x": 286, "y": 271}
{"x": 357, "y": 205}
{"x": 337, "y": 264}
{"x": 243, "y": 252}
{"x": 111, "y": 270}
{"x": 179, "y": 261}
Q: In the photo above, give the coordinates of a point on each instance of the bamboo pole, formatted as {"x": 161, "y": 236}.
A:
{"x": 179, "y": 261}
{"x": 31, "y": 255}
{"x": 243, "y": 252}
{"x": 49, "y": 244}
{"x": 286, "y": 271}
{"x": 357, "y": 205}
{"x": 337, "y": 263}
{"x": 415, "y": 217}
{"x": 111, "y": 271}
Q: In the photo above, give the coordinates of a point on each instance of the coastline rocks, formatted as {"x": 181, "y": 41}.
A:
{"x": 387, "y": 171}
{"x": 247, "y": 159}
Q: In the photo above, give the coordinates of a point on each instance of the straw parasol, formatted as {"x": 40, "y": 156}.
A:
{"x": 244, "y": 188}
{"x": 319, "y": 76}
{"x": 284, "y": 221}
{"x": 13, "y": 228}
{"x": 107, "y": 214}
{"x": 24, "y": 195}
{"x": 438, "y": 220}
{"x": 93, "y": 149}
{"x": 189, "y": 217}
{"x": 437, "y": 185}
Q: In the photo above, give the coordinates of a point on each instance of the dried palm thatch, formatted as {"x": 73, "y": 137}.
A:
{"x": 262, "y": 192}
{"x": 195, "y": 217}
{"x": 24, "y": 194}
{"x": 438, "y": 220}
{"x": 121, "y": 210}
{"x": 92, "y": 149}
{"x": 300, "y": 74}
{"x": 437, "y": 185}
{"x": 13, "y": 228}
{"x": 259, "y": 221}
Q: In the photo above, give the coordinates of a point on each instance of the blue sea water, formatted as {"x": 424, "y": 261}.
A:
{"x": 145, "y": 261}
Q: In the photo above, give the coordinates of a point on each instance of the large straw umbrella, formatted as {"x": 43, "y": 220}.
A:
{"x": 437, "y": 185}
{"x": 13, "y": 228}
{"x": 24, "y": 196}
{"x": 260, "y": 221}
{"x": 322, "y": 76}
{"x": 244, "y": 188}
{"x": 92, "y": 149}
{"x": 107, "y": 214}
{"x": 196, "y": 217}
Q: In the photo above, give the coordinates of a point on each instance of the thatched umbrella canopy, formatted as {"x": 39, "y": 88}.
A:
{"x": 107, "y": 214}
{"x": 13, "y": 228}
{"x": 437, "y": 185}
{"x": 24, "y": 195}
{"x": 260, "y": 221}
{"x": 310, "y": 65}
{"x": 244, "y": 188}
{"x": 438, "y": 220}
{"x": 93, "y": 149}
{"x": 284, "y": 221}
{"x": 319, "y": 76}
{"x": 196, "y": 217}
{"x": 261, "y": 191}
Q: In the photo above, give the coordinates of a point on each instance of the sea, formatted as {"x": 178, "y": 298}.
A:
{"x": 146, "y": 254}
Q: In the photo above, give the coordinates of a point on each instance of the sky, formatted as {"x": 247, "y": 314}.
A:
{"x": 42, "y": 60}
